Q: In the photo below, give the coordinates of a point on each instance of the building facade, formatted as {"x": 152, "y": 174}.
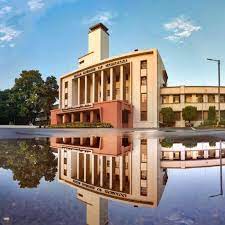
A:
{"x": 123, "y": 91}
{"x": 127, "y": 91}
{"x": 201, "y": 97}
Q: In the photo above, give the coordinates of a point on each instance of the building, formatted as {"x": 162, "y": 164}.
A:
{"x": 127, "y": 91}
{"x": 201, "y": 97}
{"x": 123, "y": 90}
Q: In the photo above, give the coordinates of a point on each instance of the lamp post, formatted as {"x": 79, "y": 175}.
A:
{"x": 218, "y": 63}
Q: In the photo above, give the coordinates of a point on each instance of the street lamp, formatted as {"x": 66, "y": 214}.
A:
{"x": 218, "y": 63}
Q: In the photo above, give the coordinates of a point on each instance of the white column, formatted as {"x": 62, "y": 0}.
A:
{"x": 217, "y": 155}
{"x": 182, "y": 155}
{"x": 130, "y": 85}
{"x": 102, "y": 86}
{"x": 78, "y": 91}
{"x": 85, "y": 89}
{"x": 121, "y": 83}
{"x": 170, "y": 155}
{"x": 111, "y": 173}
{"x": 93, "y": 87}
{"x": 111, "y": 83}
{"x": 206, "y": 154}
{"x": 121, "y": 173}
{"x": 93, "y": 168}
{"x": 101, "y": 170}
{"x": 78, "y": 166}
{"x": 85, "y": 167}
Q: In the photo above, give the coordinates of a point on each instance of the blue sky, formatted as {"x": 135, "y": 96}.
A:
{"x": 49, "y": 35}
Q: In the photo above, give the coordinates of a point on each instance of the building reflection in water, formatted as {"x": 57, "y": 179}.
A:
{"x": 126, "y": 169}
{"x": 111, "y": 168}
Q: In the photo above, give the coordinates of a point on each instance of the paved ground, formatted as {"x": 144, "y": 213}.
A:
{"x": 9, "y": 132}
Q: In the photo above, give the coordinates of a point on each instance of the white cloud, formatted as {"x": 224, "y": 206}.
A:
{"x": 8, "y": 34}
{"x": 105, "y": 17}
{"x": 181, "y": 28}
{"x": 12, "y": 45}
{"x": 35, "y": 4}
{"x": 5, "y": 10}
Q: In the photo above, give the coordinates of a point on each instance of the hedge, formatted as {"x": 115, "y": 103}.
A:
{"x": 82, "y": 125}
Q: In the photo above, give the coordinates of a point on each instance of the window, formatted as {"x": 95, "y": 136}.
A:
{"x": 66, "y": 95}
{"x": 144, "y": 191}
{"x": 165, "y": 99}
{"x": 176, "y": 99}
{"x": 117, "y": 91}
{"x": 177, "y": 116}
{"x": 222, "y": 98}
{"x": 117, "y": 78}
{"x": 143, "y": 175}
{"x": 65, "y": 172}
{"x": 66, "y": 84}
{"x": 143, "y": 81}
{"x": 143, "y": 115}
{"x": 108, "y": 93}
{"x": 65, "y": 160}
{"x": 127, "y": 90}
{"x": 199, "y": 115}
{"x": 199, "y": 98}
{"x": 143, "y": 141}
{"x": 144, "y": 64}
{"x": 143, "y": 107}
{"x": 125, "y": 116}
{"x": 143, "y": 98}
{"x": 211, "y": 98}
{"x": 81, "y": 62}
{"x": 188, "y": 98}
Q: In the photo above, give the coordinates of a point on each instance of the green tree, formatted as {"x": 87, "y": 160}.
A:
{"x": 168, "y": 116}
{"x": 29, "y": 160}
{"x": 4, "y": 106}
{"x": 26, "y": 94}
{"x": 212, "y": 113}
{"x": 49, "y": 94}
{"x": 189, "y": 113}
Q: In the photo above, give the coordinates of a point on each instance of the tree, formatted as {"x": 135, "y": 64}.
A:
{"x": 212, "y": 113}
{"x": 168, "y": 116}
{"x": 26, "y": 93}
{"x": 29, "y": 161}
{"x": 189, "y": 113}
{"x": 49, "y": 94}
{"x": 4, "y": 106}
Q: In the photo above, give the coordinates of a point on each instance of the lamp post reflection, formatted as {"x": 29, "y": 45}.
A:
{"x": 221, "y": 174}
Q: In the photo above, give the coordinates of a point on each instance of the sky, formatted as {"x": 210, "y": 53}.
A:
{"x": 50, "y": 35}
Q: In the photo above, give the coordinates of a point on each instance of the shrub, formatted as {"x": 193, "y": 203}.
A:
{"x": 209, "y": 122}
{"x": 189, "y": 113}
{"x": 212, "y": 113}
{"x": 82, "y": 125}
{"x": 168, "y": 116}
{"x": 167, "y": 143}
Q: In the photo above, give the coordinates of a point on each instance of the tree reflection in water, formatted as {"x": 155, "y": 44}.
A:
{"x": 29, "y": 160}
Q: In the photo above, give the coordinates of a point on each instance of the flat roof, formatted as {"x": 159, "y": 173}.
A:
{"x": 99, "y": 25}
{"x": 189, "y": 86}
{"x": 129, "y": 54}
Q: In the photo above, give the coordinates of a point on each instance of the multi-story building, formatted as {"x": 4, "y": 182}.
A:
{"x": 126, "y": 91}
{"x": 202, "y": 97}
{"x": 123, "y": 90}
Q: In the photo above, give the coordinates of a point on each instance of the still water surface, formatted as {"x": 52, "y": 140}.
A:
{"x": 112, "y": 179}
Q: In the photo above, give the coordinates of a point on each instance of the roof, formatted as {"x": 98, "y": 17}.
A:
{"x": 99, "y": 25}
